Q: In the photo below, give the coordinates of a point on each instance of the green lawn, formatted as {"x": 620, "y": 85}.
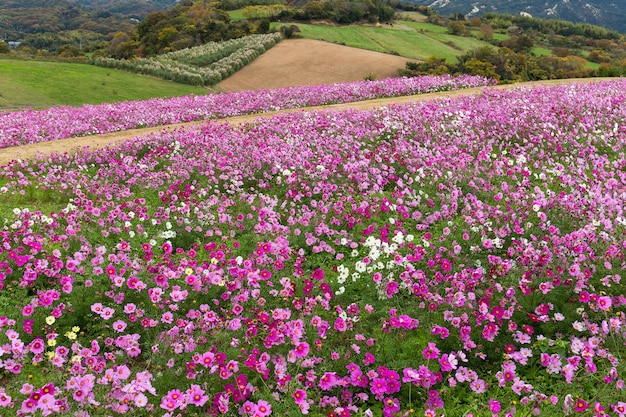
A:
{"x": 500, "y": 36}
{"x": 538, "y": 51}
{"x": 236, "y": 14}
{"x": 424, "y": 27}
{"x": 40, "y": 84}
{"x": 407, "y": 39}
{"x": 415, "y": 16}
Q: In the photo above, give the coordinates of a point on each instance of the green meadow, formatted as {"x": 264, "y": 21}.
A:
{"x": 41, "y": 84}
{"x": 405, "y": 38}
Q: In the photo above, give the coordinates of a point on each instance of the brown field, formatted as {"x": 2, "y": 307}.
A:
{"x": 295, "y": 62}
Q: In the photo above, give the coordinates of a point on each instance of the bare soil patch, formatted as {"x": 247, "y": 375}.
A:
{"x": 99, "y": 141}
{"x": 296, "y": 62}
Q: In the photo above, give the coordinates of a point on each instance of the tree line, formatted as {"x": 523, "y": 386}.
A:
{"x": 526, "y": 49}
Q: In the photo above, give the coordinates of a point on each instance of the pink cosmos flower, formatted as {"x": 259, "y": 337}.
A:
{"x": 5, "y": 400}
{"x": 494, "y": 406}
{"x": 604, "y": 303}
{"x": 119, "y": 326}
{"x": 28, "y": 310}
{"x": 263, "y": 408}
{"x": 340, "y": 325}
{"x": 580, "y": 405}
{"x": 328, "y": 380}
{"x": 196, "y": 395}
{"x": 302, "y": 350}
{"x": 299, "y": 396}
{"x": 431, "y": 351}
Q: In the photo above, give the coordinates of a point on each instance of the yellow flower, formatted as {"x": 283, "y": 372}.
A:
{"x": 52, "y": 342}
{"x": 76, "y": 329}
{"x": 50, "y": 320}
{"x": 188, "y": 271}
{"x": 50, "y": 355}
{"x": 70, "y": 335}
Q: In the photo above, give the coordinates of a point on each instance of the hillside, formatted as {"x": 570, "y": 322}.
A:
{"x": 295, "y": 62}
{"x": 607, "y": 13}
{"x": 63, "y": 20}
{"x": 127, "y": 7}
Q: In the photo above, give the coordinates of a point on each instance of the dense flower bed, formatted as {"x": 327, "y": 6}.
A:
{"x": 457, "y": 257}
{"x": 24, "y": 127}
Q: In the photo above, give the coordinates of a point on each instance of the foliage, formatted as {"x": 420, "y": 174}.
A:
{"x": 560, "y": 27}
{"x": 240, "y": 4}
{"x": 185, "y": 25}
{"x": 56, "y": 23}
{"x": 341, "y": 11}
{"x": 515, "y": 65}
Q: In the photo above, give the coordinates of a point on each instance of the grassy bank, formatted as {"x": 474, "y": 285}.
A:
{"x": 408, "y": 39}
{"x": 40, "y": 84}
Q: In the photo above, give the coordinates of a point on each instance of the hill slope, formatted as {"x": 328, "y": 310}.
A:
{"x": 294, "y": 62}
{"x": 607, "y": 13}
{"x": 20, "y": 18}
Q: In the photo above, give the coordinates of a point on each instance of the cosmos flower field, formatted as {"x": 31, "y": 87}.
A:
{"x": 28, "y": 126}
{"x": 452, "y": 257}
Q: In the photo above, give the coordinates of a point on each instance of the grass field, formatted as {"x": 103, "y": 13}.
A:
{"x": 408, "y": 39}
{"x": 41, "y": 84}
{"x": 415, "y": 16}
{"x": 236, "y": 14}
{"x": 538, "y": 51}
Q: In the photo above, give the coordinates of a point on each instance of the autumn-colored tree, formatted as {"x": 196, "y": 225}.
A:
{"x": 456, "y": 27}
{"x": 474, "y": 66}
{"x": 432, "y": 66}
{"x": 599, "y": 56}
{"x": 485, "y": 32}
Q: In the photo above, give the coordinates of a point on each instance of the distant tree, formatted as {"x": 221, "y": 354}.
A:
{"x": 43, "y": 41}
{"x": 263, "y": 26}
{"x": 314, "y": 9}
{"x": 182, "y": 42}
{"x": 456, "y": 27}
{"x": 457, "y": 16}
{"x": 476, "y": 22}
{"x": 599, "y": 56}
{"x": 485, "y": 32}
{"x": 475, "y": 66}
{"x": 432, "y": 66}
{"x": 561, "y": 52}
{"x": 122, "y": 46}
{"x": 68, "y": 51}
{"x": 166, "y": 37}
{"x": 287, "y": 31}
{"x": 4, "y": 48}
{"x": 519, "y": 43}
{"x": 608, "y": 70}
{"x": 146, "y": 28}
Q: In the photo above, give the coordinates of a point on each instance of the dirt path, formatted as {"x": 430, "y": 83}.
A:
{"x": 100, "y": 141}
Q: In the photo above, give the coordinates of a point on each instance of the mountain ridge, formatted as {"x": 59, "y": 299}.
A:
{"x": 606, "y": 13}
